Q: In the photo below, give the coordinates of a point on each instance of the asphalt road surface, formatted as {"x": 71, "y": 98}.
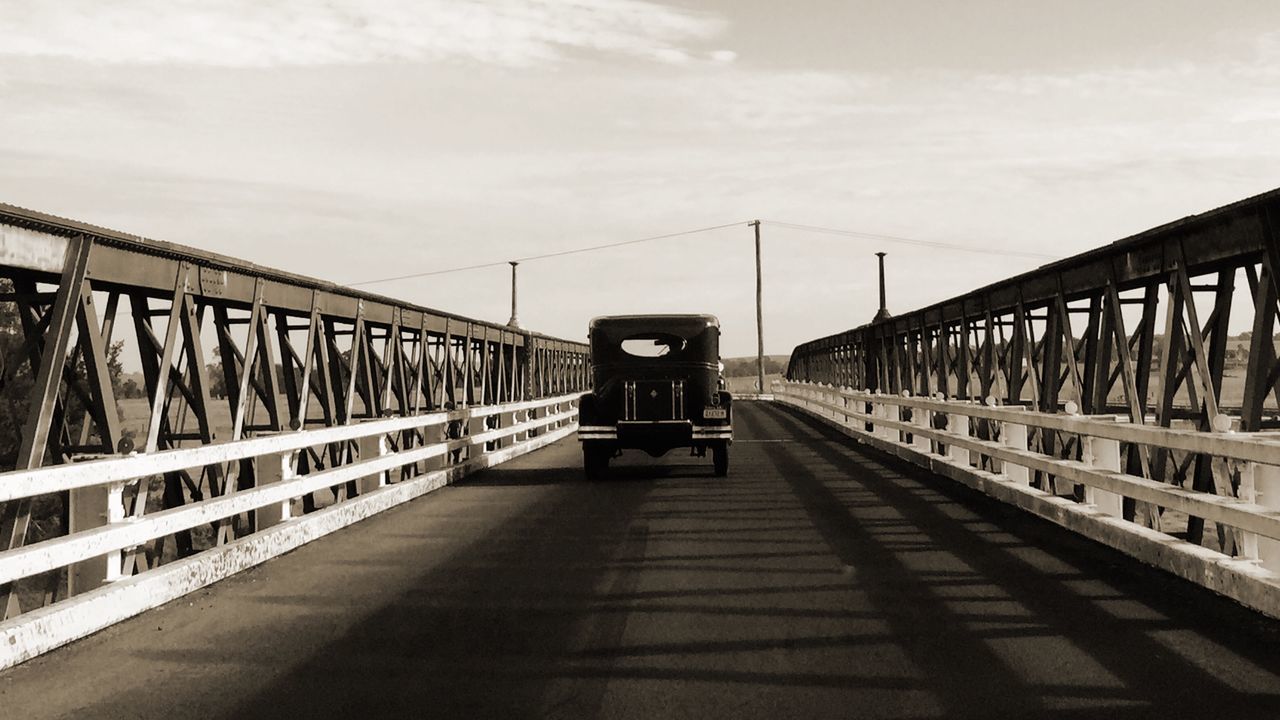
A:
{"x": 816, "y": 581}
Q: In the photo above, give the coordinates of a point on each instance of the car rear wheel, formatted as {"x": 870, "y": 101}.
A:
{"x": 595, "y": 460}
{"x": 720, "y": 458}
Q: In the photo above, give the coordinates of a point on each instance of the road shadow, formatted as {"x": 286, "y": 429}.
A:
{"x": 1012, "y": 616}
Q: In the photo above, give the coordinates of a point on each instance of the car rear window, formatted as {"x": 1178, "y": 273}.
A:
{"x": 653, "y": 345}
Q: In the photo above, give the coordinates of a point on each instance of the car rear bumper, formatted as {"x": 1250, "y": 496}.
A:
{"x": 646, "y": 432}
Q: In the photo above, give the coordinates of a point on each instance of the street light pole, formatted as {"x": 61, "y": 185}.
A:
{"x": 759, "y": 314}
{"x": 514, "y": 321}
{"x": 883, "y": 312}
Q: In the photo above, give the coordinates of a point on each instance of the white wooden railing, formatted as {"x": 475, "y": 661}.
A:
{"x": 101, "y": 533}
{"x": 942, "y": 435}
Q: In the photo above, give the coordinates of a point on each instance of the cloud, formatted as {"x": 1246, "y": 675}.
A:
{"x": 758, "y": 101}
{"x": 259, "y": 33}
{"x": 723, "y": 56}
{"x": 671, "y": 56}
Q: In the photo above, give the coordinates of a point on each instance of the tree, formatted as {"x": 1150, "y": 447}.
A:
{"x": 131, "y": 390}
{"x": 16, "y": 380}
{"x": 217, "y": 380}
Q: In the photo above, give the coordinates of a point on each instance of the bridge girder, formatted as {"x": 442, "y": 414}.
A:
{"x": 1138, "y": 327}
{"x": 289, "y": 352}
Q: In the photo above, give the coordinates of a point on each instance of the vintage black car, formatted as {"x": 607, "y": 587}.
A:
{"x": 657, "y": 386}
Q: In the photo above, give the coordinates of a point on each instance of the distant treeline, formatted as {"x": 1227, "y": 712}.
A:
{"x": 746, "y": 366}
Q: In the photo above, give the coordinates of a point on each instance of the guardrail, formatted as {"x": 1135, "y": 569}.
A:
{"x": 997, "y": 450}
{"x": 287, "y": 352}
{"x": 385, "y": 462}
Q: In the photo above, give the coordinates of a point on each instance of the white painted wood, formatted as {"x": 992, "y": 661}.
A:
{"x": 1105, "y": 456}
{"x": 1247, "y": 582}
{"x": 920, "y": 417}
{"x": 58, "y": 478}
{"x": 1262, "y": 447}
{"x": 39, "y": 631}
{"x": 958, "y": 426}
{"x": 271, "y": 470}
{"x": 91, "y": 508}
{"x": 82, "y": 546}
{"x": 1014, "y": 435}
{"x": 1266, "y": 490}
{"x": 373, "y": 446}
{"x": 1227, "y": 510}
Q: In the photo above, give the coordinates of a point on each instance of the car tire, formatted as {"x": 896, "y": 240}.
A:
{"x": 595, "y": 461}
{"x": 720, "y": 459}
{"x": 587, "y": 409}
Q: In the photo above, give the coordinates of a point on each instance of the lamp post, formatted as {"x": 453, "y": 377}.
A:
{"x": 883, "y": 312}
{"x": 515, "y": 320}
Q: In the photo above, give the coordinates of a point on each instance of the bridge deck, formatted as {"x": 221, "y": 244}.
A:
{"x": 816, "y": 581}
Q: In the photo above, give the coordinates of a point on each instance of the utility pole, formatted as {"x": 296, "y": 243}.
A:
{"x": 514, "y": 321}
{"x": 759, "y": 314}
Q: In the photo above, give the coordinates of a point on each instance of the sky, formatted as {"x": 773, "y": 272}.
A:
{"x": 354, "y": 141}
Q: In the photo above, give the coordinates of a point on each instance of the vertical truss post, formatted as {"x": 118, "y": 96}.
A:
{"x": 43, "y": 400}
{"x": 1262, "y": 357}
{"x": 1099, "y": 351}
{"x": 1136, "y": 402}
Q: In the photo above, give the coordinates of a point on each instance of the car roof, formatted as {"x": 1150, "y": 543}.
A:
{"x": 677, "y": 319}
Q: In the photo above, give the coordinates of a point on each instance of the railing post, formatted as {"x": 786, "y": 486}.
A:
{"x": 920, "y": 418}
{"x": 877, "y": 412}
{"x": 501, "y": 420}
{"x": 93, "y": 507}
{"x": 372, "y": 446}
{"x": 885, "y": 411}
{"x": 1266, "y": 492}
{"x": 273, "y": 469}
{"x": 1014, "y": 435}
{"x": 535, "y": 413}
{"x": 958, "y": 424}
{"x": 1103, "y": 454}
{"x": 1247, "y": 548}
{"x": 518, "y": 417}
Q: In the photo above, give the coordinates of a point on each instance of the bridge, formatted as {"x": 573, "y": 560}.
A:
{"x": 1057, "y": 495}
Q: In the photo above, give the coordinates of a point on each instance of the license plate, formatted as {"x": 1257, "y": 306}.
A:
{"x": 714, "y": 413}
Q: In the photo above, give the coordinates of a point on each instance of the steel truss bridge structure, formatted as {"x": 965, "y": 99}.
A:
{"x": 292, "y": 353}
{"x": 1104, "y": 393}
{"x": 1136, "y": 332}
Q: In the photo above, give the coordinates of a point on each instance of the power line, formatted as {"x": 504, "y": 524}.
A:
{"x": 778, "y": 223}
{"x": 544, "y": 256}
{"x": 909, "y": 241}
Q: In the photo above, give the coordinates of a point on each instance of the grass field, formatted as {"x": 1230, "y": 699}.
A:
{"x": 748, "y": 384}
{"x": 135, "y": 415}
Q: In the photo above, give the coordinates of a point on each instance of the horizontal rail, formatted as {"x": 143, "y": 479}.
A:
{"x": 1262, "y": 447}
{"x": 57, "y": 478}
{"x": 1145, "y": 326}
{"x": 471, "y": 438}
{"x": 288, "y": 352}
{"x": 44, "y": 556}
{"x": 1248, "y": 516}
{"x": 1006, "y": 465}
